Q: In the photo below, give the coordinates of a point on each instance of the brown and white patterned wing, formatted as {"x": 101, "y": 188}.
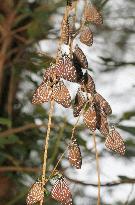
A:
{"x": 79, "y": 103}
{"x": 74, "y": 154}
{"x": 115, "y": 142}
{"x": 90, "y": 118}
{"x": 102, "y": 124}
{"x": 88, "y": 84}
{"x": 65, "y": 30}
{"x": 61, "y": 192}
{"x": 59, "y": 68}
{"x": 61, "y": 94}
{"x": 92, "y": 15}
{"x": 35, "y": 194}
{"x": 86, "y": 36}
{"x": 80, "y": 58}
{"x": 41, "y": 94}
{"x": 102, "y": 104}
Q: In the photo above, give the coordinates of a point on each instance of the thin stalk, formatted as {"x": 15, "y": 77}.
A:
{"x": 46, "y": 145}
{"x": 97, "y": 167}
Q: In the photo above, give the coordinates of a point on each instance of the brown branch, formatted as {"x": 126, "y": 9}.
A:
{"x": 18, "y": 169}
{"x": 108, "y": 184}
{"x": 20, "y": 129}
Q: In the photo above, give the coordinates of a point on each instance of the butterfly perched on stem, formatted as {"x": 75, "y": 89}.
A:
{"x": 115, "y": 142}
{"x": 74, "y": 154}
{"x": 61, "y": 192}
{"x": 80, "y": 58}
{"x": 88, "y": 84}
{"x": 79, "y": 103}
{"x": 90, "y": 118}
{"x": 86, "y": 36}
{"x": 65, "y": 30}
{"x": 92, "y": 15}
{"x": 35, "y": 194}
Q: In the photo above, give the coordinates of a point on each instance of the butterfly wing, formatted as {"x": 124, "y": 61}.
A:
{"x": 74, "y": 154}
{"x": 86, "y": 36}
{"x": 41, "y": 94}
{"x": 79, "y": 103}
{"x": 61, "y": 192}
{"x": 61, "y": 94}
{"x": 88, "y": 84}
{"x": 80, "y": 58}
{"x": 90, "y": 118}
{"x": 92, "y": 15}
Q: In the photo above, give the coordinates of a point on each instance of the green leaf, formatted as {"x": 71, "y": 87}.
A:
{"x": 5, "y": 121}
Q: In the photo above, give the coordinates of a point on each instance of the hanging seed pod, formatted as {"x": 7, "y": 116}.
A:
{"x": 42, "y": 94}
{"x": 35, "y": 194}
{"x": 102, "y": 104}
{"x": 74, "y": 154}
{"x": 79, "y": 103}
{"x": 115, "y": 142}
{"x": 90, "y": 118}
{"x": 86, "y": 36}
{"x": 61, "y": 192}
{"x": 91, "y": 14}
{"x": 88, "y": 84}
{"x": 80, "y": 58}
{"x": 61, "y": 94}
{"x": 65, "y": 30}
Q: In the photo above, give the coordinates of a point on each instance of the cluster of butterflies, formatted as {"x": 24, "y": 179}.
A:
{"x": 88, "y": 102}
{"x": 68, "y": 29}
{"x": 60, "y": 192}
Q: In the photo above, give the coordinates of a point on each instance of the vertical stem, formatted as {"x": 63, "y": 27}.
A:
{"x": 46, "y": 145}
{"x": 97, "y": 167}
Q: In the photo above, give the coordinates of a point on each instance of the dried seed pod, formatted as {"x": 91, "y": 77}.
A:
{"x": 79, "y": 103}
{"x": 74, "y": 154}
{"x": 61, "y": 192}
{"x": 35, "y": 194}
{"x": 92, "y": 15}
{"x": 65, "y": 30}
{"x": 102, "y": 104}
{"x": 80, "y": 58}
{"x": 90, "y": 118}
{"x": 42, "y": 94}
{"x": 88, "y": 84}
{"x": 115, "y": 142}
{"x": 61, "y": 94}
{"x": 86, "y": 36}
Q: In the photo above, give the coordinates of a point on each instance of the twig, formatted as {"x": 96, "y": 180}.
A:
{"x": 97, "y": 167}
{"x": 46, "y": 145}
{"x": 20, "y": 129}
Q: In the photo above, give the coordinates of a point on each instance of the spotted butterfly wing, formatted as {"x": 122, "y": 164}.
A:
{"x": 65, "y": 30}
{"x": 59, "y": 68}
{"x": 61, "y": 192}
{"x": 79, "y": 103}
{"x": 74, "y": 154}
{"x": 88, "y": 84}
{"x": 92, "y": 15}
{"x": 41, "y": 94}
{"x": 115, "y": 142}
{"x": 102, "y": 123}
{"x": 86, "y": 36}
{"x": 90, "y": 118}
{"x": 80, "y": 58}
{"x": 50, "y": 74}
{"x": 61, "y": 94}
{"x": 35, "y": 194}
{"x": 102, "y": 104}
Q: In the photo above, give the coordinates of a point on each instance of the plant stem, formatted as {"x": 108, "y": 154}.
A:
{"x": 97, "y": 167}
{"x": 46, "y": 145}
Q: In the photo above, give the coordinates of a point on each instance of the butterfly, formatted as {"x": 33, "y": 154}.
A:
{"x": 79, "y": 103}
{"x": 59, "y": 92}
{"x": 86, "y": 36}
{"x": 92, "y": 15}
{"x": 90, "y": 119}
{"x": 35, "y": 194}
{"x": 74, "y": 154}
{"x": 115, "y": 142}
{"x": 61, "y": 192}
{"x": 88, "y": 84}
{"x": 65, "y": 69}
{"x": 80, "y": 58}
{"x": 102, "y": 104}
{"x": 65, "y": 30}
